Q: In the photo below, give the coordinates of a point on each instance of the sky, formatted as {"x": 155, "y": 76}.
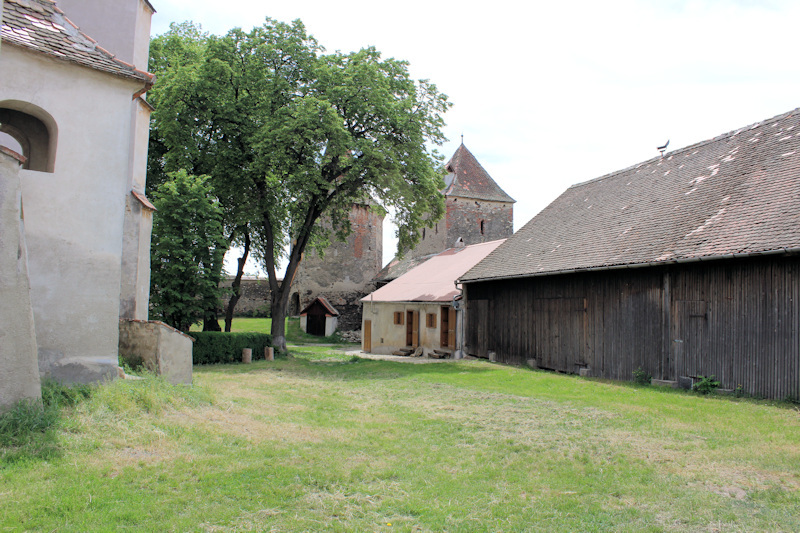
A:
{"x": 551, "y": 93}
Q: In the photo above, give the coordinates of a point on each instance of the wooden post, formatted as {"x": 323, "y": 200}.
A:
{"x": 269, "y": 353}
{"x": 247, "y": 355}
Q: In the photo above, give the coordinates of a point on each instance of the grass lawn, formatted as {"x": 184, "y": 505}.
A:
{"x": 318, "y": 442}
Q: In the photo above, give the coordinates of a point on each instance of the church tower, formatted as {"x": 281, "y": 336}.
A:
{"x": 477, "y": 210}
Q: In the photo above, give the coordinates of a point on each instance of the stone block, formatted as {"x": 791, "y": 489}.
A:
{"x": 159, "y": 347}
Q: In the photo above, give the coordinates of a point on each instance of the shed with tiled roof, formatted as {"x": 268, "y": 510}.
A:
{"x": 684, "y": 265}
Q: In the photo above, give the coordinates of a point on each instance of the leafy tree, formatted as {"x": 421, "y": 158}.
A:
{"x": 187, "y": 248}
{"x": 290, "y": 134}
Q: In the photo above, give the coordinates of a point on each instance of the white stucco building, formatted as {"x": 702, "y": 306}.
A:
{"x": 75, "y": 111}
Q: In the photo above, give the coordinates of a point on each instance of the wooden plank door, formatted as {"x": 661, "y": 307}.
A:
{"x": 366, "y": 335}
{"x": 451, "y": 328}
{"x": 412, "y": 329}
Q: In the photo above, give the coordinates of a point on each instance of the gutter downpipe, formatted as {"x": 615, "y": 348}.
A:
{"x": 459, "y": 347}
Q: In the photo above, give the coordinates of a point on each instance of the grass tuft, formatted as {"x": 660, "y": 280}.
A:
{"x": 28, "y": 431}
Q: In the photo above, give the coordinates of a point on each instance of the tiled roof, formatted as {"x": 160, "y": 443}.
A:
{"x": 738, "y": 193}
{"x": 325, "y": 304}
{"x": 39, "y": 25}
{"x": 433, "y": 280}
{"x": 468, "y": 179}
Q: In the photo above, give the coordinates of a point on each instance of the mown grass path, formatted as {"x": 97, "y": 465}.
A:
{"x": 325, "y": 442}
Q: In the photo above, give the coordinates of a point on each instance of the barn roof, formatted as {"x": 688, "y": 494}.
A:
{"x": 40, "y": 26}
{"x": 466, "y": 178}
{"x": 433, "y": 280}
{"x": 736, "y": 194}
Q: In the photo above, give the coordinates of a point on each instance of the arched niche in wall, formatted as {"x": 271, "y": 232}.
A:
{"x": 34, "y": 132}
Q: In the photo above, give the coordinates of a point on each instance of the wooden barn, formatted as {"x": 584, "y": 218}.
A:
{"x": 686, "y": 265}
{"x": 319, "y": 318}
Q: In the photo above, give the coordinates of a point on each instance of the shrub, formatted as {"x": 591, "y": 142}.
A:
{"x": 641, "y": 376}
{"x": 706, "y": 385}
{"x": 214, "y": 347}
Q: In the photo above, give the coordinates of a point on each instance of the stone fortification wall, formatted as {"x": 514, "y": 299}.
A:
{"x": 255, "y": 296}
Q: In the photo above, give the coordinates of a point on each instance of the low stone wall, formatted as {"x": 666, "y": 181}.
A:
{"x": 159, "y": 347}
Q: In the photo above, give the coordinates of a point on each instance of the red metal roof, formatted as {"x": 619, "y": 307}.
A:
{"x": 434, "y": 280}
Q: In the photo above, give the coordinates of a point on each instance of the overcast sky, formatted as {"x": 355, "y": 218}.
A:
{"x": 548, "y": 94}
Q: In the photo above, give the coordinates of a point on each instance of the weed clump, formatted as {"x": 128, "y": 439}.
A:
{"x": 641, "y": 377}
{"x": 706, "y": 385}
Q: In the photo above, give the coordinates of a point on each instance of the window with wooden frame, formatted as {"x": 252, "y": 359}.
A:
{"x": 398, "y": 318}
{"x": 430, "y": 320}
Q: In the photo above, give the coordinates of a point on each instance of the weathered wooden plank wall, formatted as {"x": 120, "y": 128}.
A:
{"x": 736, "y": 319}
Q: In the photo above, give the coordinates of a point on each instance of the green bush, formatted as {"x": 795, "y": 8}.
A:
{"x": 214, "y": 347}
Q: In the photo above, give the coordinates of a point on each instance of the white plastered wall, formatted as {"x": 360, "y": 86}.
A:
{"x": 388, "y": 337}
{"x": 74, "y": 216}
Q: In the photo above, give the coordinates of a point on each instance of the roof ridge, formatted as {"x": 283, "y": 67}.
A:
{"x": 694, "y": 146}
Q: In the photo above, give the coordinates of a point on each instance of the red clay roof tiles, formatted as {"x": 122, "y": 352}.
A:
{"x": 40, "y": 26}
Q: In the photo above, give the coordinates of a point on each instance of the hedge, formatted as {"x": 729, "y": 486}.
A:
{"x": 214, "y": 347}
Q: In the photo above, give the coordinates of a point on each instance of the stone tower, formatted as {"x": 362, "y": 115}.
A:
{"x": 345, "y": 273}
{"x": 477, "y": 210}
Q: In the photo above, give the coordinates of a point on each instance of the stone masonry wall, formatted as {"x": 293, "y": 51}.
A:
{"x": 478, "y": 221}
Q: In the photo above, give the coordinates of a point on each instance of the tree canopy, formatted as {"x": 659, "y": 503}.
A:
{"x": 289, "y": 133}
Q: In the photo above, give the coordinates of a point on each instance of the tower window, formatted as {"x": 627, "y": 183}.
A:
{"x": 483, "y": 227}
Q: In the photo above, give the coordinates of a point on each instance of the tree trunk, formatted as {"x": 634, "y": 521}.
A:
{"x": 278, "y": 329}
{"x": 211, "y": 323}
{"x": 237, "y": 282}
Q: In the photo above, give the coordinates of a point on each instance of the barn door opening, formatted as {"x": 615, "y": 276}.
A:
{"x": 412, "y": 328}
{"x": 477, "y": 328}
{"x": 689, "y": 338}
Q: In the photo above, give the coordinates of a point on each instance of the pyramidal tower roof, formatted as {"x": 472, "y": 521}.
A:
{"x": 466, "y": 178}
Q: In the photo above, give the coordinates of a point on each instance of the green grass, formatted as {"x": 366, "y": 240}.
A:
{"x": 294, "y": 335}
{"x": 325, "y": 441}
